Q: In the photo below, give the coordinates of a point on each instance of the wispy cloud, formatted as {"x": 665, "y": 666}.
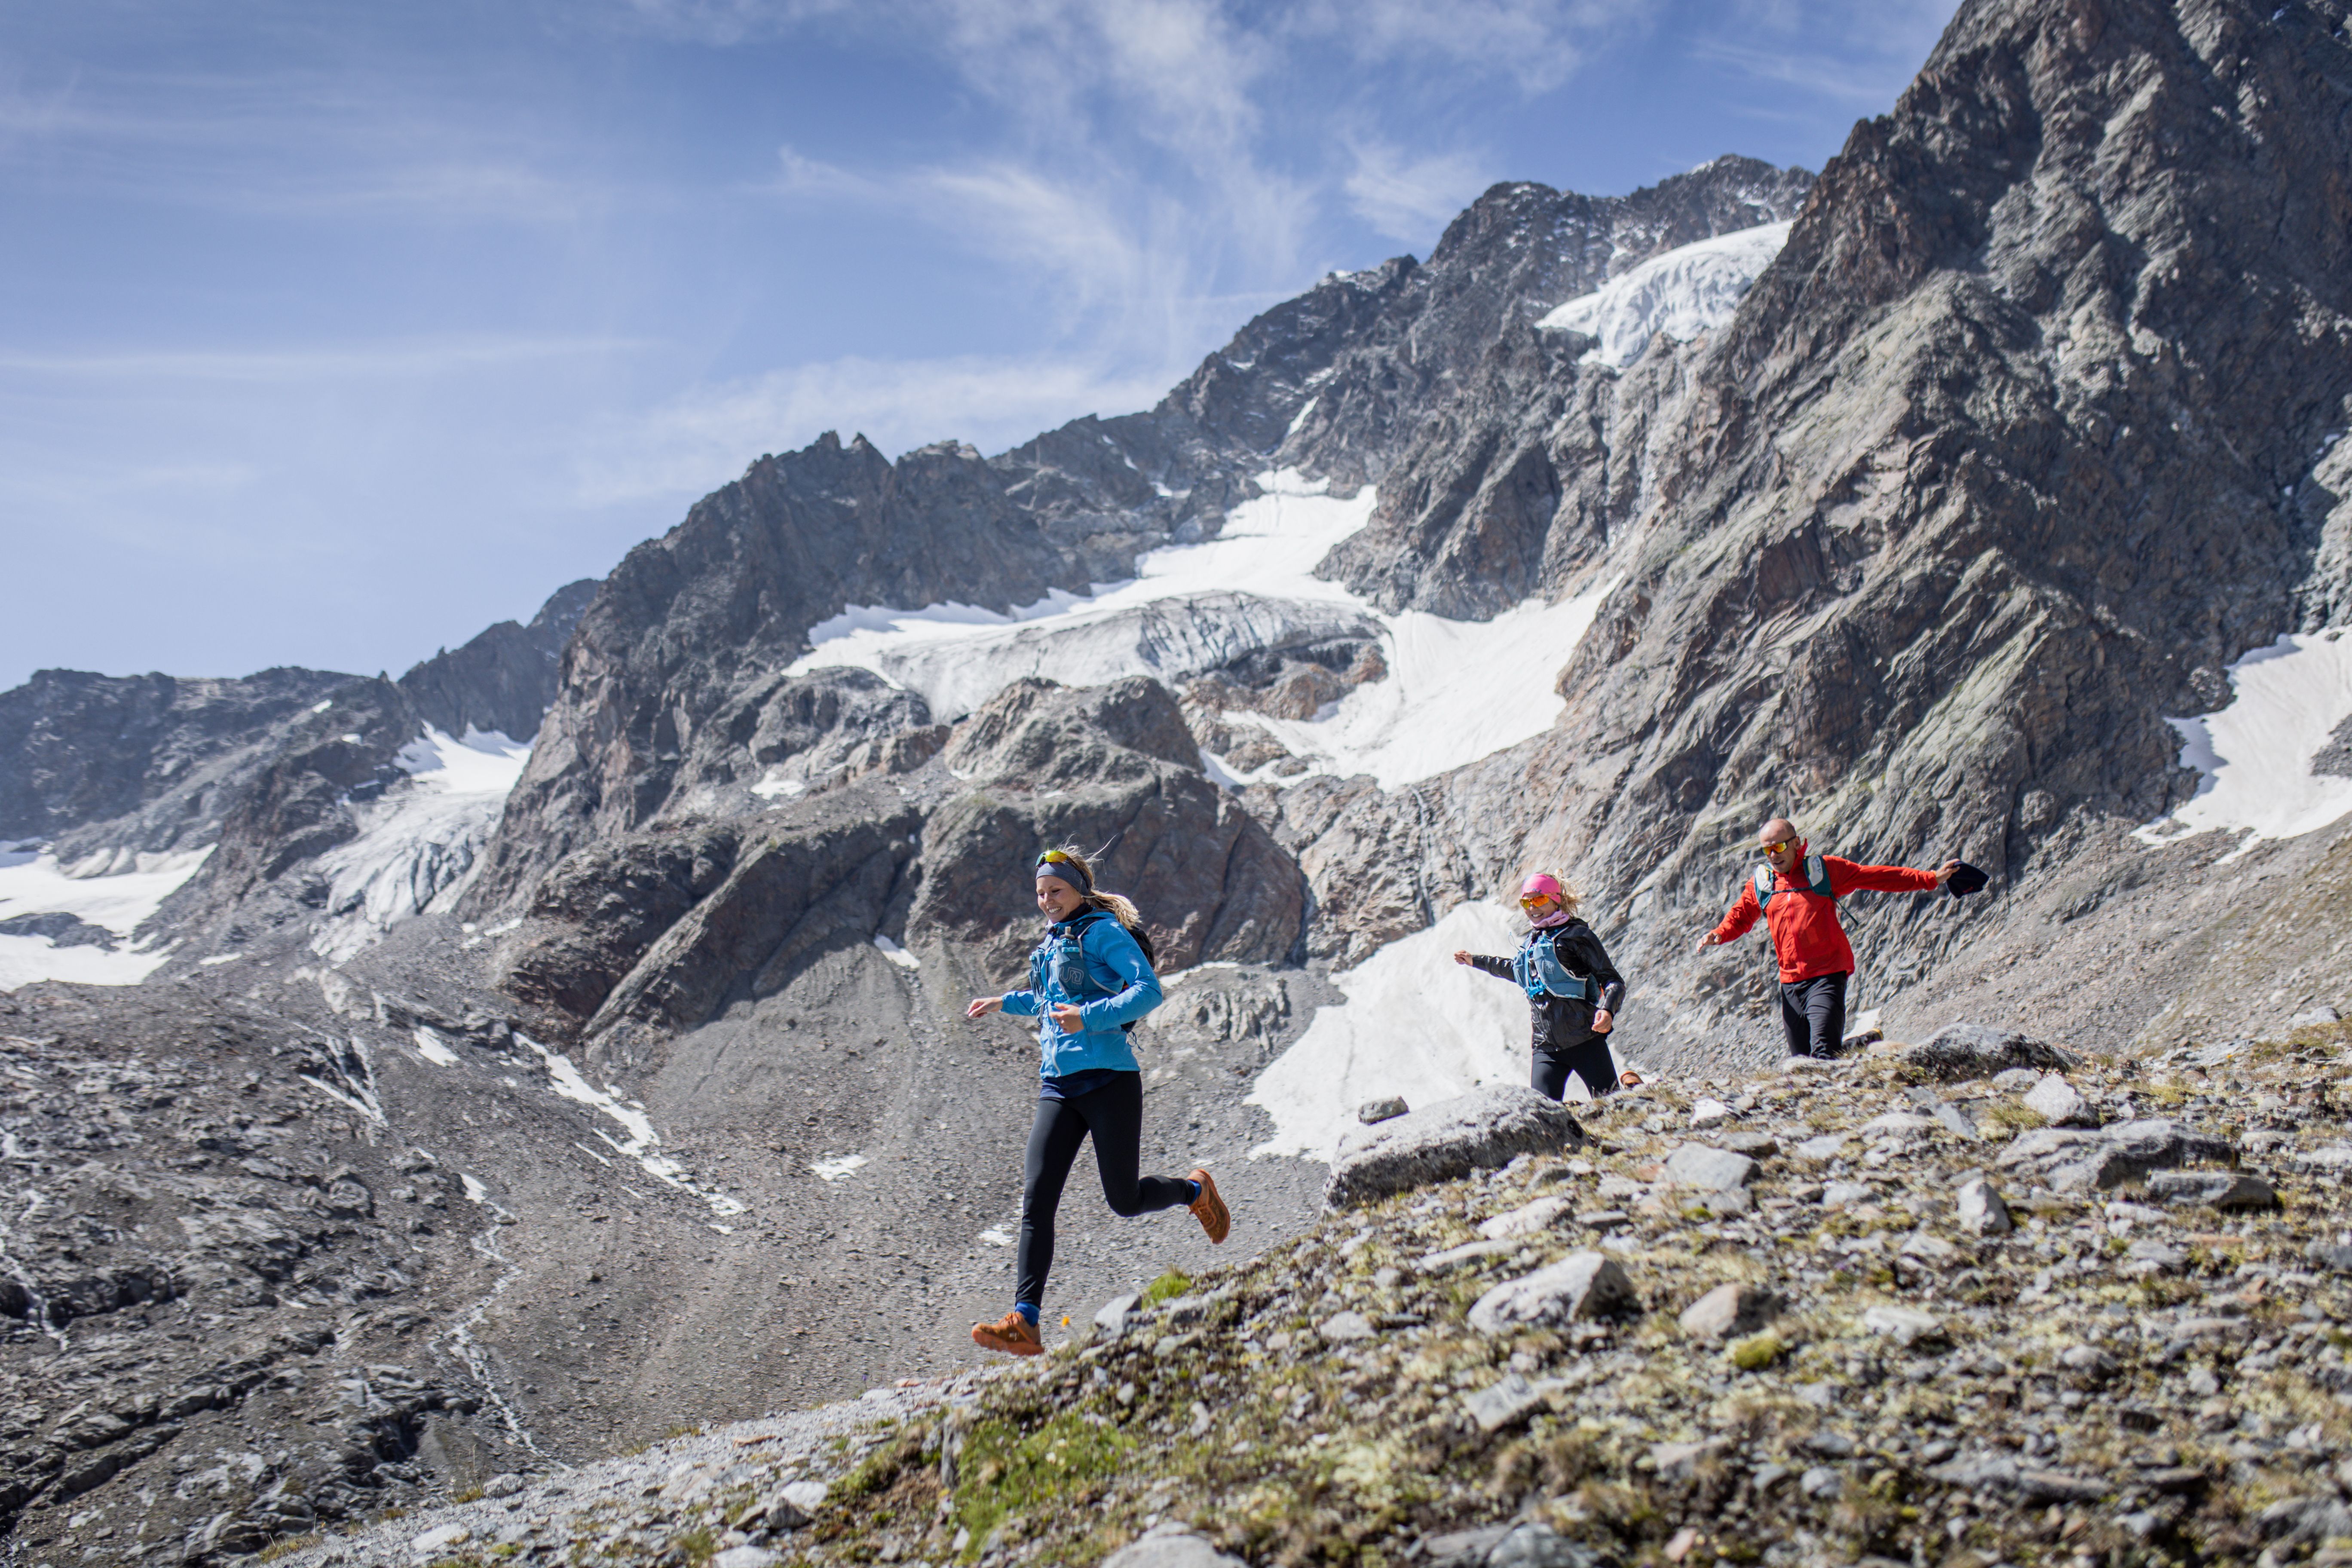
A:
{"x": 682, "y": 447}
{"x": 317, "y": 365}
{"x": 1878, "y": 44}
{"x": 1409, "y": 198}
{"x": 1538, "y": 43}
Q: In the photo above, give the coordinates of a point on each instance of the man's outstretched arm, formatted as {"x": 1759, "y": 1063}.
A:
{"x": 1847, "y": 876}
{"x": 1745, "y": 912}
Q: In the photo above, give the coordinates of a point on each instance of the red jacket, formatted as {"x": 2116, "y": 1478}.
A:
{"x": 1806, "y": 936}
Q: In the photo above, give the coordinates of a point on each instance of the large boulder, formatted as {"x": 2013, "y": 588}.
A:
{"x": 1439, "y": 1143}
{"x": 1957, "y": 1052}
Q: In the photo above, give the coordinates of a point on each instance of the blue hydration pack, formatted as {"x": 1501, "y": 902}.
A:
{"x": 1539, "y": 969}
{"x": 1817, "y": 882}
{"x": 1062, "y": 957}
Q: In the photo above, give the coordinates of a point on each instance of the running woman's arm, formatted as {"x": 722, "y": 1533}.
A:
{"x": 1486, "y": 964}
{"x": 1108, "y": 941}
{"x": 1744, "y": 915}
{"x": 1581, "y": 951}
{"x": 1846, "y": 877}
{"x": 1021, "y": 1003}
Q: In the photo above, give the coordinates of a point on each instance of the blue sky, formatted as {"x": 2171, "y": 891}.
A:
{"x": 331, "y": 332}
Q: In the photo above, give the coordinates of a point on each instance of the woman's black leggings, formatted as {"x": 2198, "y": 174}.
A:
{"x": 1589, "y": 1059}
{"x": 1114, "y": 1114}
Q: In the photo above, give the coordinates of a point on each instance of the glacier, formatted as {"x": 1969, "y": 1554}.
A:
{"x": 1456, "y": 691}
{"x": 417, "y": 845}
{"x": 1682, "y": 293}
{"x": 2256, "y": 754}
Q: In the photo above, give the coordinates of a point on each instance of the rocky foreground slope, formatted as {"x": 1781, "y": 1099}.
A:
{"x": 1938, "y": 1304}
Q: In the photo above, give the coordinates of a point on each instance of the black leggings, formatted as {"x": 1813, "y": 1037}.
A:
{"x": 1114, "y": 1114}
{"x": 1587, "y": 1059}
{"x": 1812, "y": 1013}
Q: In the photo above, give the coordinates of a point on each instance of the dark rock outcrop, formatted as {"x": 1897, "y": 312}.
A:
{"x": 169, "y": 755}
{"x": 504, "y": 678}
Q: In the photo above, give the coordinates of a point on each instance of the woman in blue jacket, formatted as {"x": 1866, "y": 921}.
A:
{"x": 1089, "y": 981}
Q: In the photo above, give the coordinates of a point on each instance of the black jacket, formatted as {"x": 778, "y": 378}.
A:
{"x": 1562, "y": 1021}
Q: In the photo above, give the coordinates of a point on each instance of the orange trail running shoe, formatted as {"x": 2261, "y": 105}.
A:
{"x": 1209, "y": 1210}
{"x": 1011, "y": 1333}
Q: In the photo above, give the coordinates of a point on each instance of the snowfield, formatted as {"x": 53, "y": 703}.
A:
{"x": 1456, "y": 691}
{"x": 417, "y": 845}
{"x": 1415, "y": 1024}
{"x": 117, "y": 892}
{"x": 2256, "y": 753}
{"x": 1682, "y": 293}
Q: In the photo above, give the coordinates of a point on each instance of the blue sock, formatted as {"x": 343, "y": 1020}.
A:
{"x": 1027, "y": 1310}
{"x": 1196, "y": 1192}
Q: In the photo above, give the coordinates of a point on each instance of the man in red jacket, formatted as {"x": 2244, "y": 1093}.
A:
{"x": 1798, "y": 901}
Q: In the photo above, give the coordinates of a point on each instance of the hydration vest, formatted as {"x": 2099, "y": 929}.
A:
{"x": 1539, "y": 969}
{"x": 1063, "y": 958}
{"x": 1817, "y": 882}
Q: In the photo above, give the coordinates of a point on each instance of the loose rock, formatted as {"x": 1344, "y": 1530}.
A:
{"x": 2060, "y": 1104}
{"x": 1582, "y": 1285}
{"x": 1729, "y": 1309}
{"x": 1709, "y": 1170}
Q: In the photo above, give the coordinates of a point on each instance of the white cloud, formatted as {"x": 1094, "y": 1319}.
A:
{"x": 1408, "y": 198}
{"x": 1538, "y": 43}
{"x": 991, "y": 402}
{"x": 1880, "y": 44}
{"x": 317, "y": 365}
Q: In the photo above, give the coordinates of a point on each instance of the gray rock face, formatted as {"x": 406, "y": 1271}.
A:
{"x": 504, "y": 677}
{"x": 1438, "y": 1142}
{"x": 77, "y": 749}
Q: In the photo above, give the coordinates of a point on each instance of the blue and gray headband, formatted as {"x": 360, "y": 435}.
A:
{"x": 1061, "y": 864}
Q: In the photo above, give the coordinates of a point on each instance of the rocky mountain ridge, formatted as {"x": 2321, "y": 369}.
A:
{"x": 2013, "y": 451}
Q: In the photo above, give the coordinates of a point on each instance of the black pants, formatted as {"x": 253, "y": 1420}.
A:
{"x": 1114, "y": 1114}
{"x": 1812, "y": 1012}
{"x": 1587, "y": 1059}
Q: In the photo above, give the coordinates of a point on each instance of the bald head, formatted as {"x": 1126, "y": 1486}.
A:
{"x": 1779, "y": 828}
{"x": 1777, "y": 839}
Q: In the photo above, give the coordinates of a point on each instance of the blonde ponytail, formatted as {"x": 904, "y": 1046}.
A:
{"x": 1114, "y": 905}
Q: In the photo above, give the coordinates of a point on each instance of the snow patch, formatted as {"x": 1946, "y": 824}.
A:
{"x": 1682, "y": 293}
{"x": 118, "y": 889}
{"x": 895, "y": 953}
{"x": 432, "y": 1047}
{"x": 475, "y": 1192}
{"x": 1414, "y": 1024}
{"x": 2256, "y": 753}
{"x": 836, "y": 1167}
{"x": 1455, "y": 691}
{"x": 770, "y": 785}
{"x": 417, "y": 844}
{"x": 997, "y": 1235}
{"x": 641, "y": 1142}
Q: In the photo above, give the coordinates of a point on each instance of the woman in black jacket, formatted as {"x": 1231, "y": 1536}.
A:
{"x": 1573, "y": 991}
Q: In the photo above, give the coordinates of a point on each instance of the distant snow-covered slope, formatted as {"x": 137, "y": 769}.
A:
{"x": 1453, "y": 690}
{"x": 1682, "y": 293}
